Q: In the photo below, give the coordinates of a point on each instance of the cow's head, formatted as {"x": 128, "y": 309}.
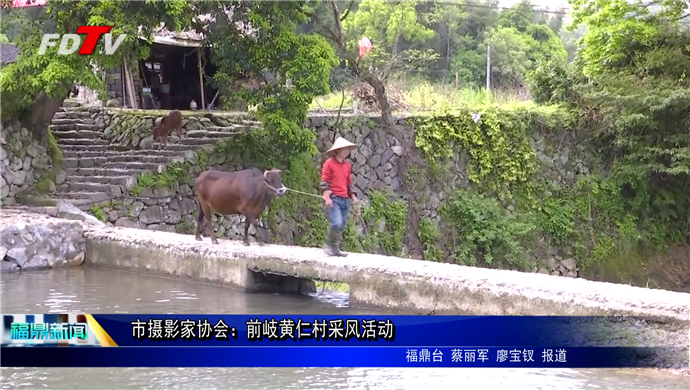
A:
{"x": 274, "y": 182}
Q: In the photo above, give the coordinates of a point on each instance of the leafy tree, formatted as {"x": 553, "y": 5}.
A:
{"x": 35, "y": 85}
{"x": 470, "y": 58}
{"x": 519, "y": 17}
{"x": 635, "y": 58}
{"x": 388, "y": 25}
{"x": 509, "y": 56}
{"x": 300, "y": 62}
{"x": 514, "y": 54}
{"x": 570, "y": 39}
{"x": 545, "y": 45}
{"x": 470, "y": 65}
{"x": 247, "y": 39}
{"x": 447, "y": 18}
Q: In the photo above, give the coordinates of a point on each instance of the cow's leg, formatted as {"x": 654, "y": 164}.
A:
{"x": 179, "y": 133}
{"x": 209, "y": 222}
{"x": 261, "y": 240}
{"x": 247, "y": 222}
{"x": 199, "y": 221}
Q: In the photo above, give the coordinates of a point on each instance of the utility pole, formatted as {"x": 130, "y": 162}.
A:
{"x": 488, "y": 69}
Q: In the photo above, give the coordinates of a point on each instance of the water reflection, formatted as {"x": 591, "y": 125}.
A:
{"x": 336, "y": 378}
{"x": 103, "y": 291}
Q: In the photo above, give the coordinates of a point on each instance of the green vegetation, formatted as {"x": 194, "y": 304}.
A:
{"x": 333, "y": 286}
{"x": 45, "y": 183}
{"x": 429, "y": 234}
{"x": 498, "y": 144}
{"x": 421, "y": 96}
{"x": 426, "y": 52}
{"x": 383, "y": 221}
{"x": 377, "y": 227}
{"x": 630, "y": 109}
{"x": 174, "y": 173}
{"x": 53, "y": 150}
{"x": 483, "y": 231}
{"x": 43, "y": 186}
{"x": 612, "y": 89}
{"x": 99, "y": 213}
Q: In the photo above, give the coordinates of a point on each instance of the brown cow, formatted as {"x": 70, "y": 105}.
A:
{"x": 246, "y": 192}
{"x": 172, "y": 121}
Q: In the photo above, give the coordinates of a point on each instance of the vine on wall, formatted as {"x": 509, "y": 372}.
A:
{"x": 592, "y": 217}
{"x": 498, "y": 144}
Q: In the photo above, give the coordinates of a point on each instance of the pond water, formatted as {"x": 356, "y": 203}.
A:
{"x": 96, "y": 290}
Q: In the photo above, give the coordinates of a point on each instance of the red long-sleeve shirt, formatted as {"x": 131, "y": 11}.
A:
{"x": 337, "y": 175}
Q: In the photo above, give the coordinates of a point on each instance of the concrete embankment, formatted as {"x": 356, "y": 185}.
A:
{"x": 377, "y": 281}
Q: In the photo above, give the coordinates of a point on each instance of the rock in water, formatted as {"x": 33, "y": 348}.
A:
{"x": 33, "y": 241}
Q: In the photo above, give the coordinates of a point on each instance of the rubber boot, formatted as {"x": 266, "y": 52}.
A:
{"x": 330, "y": 240}
{"x": 333, "y": 243}
{"x": 337, "y": 242}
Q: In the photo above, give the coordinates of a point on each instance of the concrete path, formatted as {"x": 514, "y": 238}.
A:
{"x": 381, "y": 281}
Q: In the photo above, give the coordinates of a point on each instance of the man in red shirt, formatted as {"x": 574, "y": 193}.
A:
{"x": 336, "y": 184}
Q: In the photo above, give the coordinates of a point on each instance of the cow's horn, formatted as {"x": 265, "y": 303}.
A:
{"x": 265, "y": 173}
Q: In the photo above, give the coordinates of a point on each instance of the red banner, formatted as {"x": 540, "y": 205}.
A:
{"x": 27, "y": 3}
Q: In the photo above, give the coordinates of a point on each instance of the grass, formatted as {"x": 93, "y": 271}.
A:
{"x": 43, "y": 186}
{"x": 332, "y": 286}
{"x": 54, "y": 150}
{"x": 332, "y": 101}
{"x": 424, "y": 96}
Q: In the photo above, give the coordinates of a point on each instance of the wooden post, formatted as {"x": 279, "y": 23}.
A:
{"x": 130, "y": 87}
{"x": 123, "y": 80}
{"x": 201, "y": 78}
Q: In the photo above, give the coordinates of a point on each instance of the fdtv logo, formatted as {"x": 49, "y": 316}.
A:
{"x": 71, "y": 42}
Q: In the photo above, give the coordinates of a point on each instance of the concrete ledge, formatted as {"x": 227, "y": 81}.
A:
{"x": 139, "y": 257}
{"x": 380, "y": 281}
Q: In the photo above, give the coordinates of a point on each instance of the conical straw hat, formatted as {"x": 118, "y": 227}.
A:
{"x": 340, "y": 143}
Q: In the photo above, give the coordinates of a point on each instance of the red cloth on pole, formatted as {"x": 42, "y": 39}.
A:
{"x": 27, "y": 3}
{"x": 364, "y": 46}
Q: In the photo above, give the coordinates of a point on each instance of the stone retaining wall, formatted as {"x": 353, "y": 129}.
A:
{"x": 382, "y": 162}
{"x": 23, "y": 161}
{"x": 375, "y": 164}
{"x": 34, "y": 241}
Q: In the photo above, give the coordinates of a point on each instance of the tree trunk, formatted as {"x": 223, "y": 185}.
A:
{"x": 38, "y": 117}
{"x": 339, "y": 37}
{"x": 380, "y": 89}
{"x": 448, "y": 55}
